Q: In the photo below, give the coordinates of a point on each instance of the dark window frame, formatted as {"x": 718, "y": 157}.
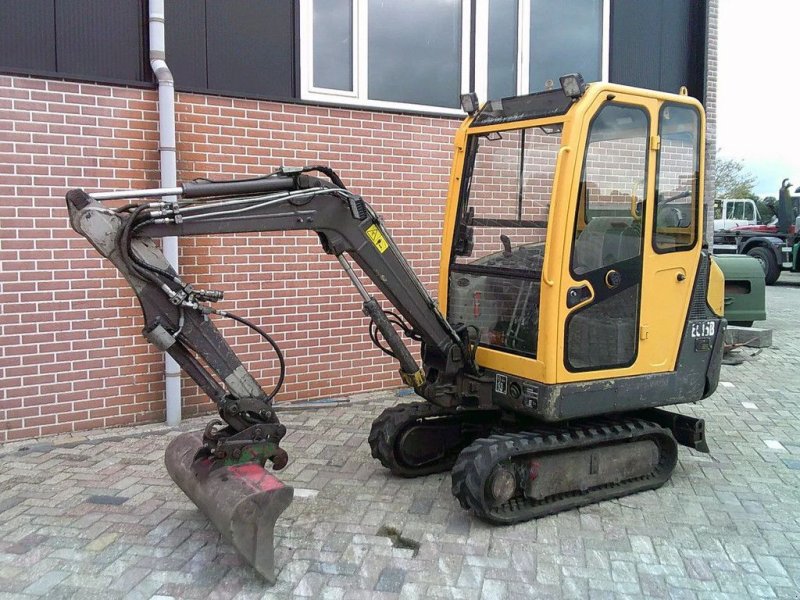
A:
{"x": 696, "y": 183}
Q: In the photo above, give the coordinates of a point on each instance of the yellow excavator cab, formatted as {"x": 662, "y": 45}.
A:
{"x": 573, "y": 238}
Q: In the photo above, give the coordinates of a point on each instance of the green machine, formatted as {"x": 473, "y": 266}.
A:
{"x": 745, "y": 290}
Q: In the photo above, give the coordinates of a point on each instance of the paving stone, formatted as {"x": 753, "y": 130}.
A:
{"x": 770, "y": 565}
{"x": 471, "y": 577}
{"x": 43, "y": 584}
{"x": 623, "y": 571}
{"x": 310, "y": 585}
{"x": 421, "y": 506}
{"x": 26, "y": 544}
{"x": 391, "y": 579}
{"x": 107, "y": 499}
{"x": 413, "y": 591}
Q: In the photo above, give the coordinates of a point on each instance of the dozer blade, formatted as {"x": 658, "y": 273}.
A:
{"x": 242, "y": 501}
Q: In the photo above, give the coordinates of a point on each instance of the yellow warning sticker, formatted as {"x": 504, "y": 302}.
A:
{"x": 376, "y": 237}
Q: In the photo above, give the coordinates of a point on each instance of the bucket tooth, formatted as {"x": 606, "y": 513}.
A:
{"x": 242, "y": 501}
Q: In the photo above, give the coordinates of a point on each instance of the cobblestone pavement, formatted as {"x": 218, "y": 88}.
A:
{"x": 98, "y": 517}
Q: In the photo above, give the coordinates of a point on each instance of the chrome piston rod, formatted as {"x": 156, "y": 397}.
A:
{"x": 148, "y": 193}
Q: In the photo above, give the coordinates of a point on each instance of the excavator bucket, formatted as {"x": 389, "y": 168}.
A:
{"x": 242, "y": 501}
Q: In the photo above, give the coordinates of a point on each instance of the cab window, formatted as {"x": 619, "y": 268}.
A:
{"x": 612, "y": 189}
{"x": 677, "y": 179}
{"x": 495, "y": 275}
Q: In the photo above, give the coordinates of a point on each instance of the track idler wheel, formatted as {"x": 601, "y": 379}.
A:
{"x": 243, "y": 501}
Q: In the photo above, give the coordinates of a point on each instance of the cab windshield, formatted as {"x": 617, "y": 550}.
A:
{"x": 496, "y": 266}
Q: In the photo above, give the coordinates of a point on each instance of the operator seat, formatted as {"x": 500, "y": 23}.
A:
{"x": 605, "y": 241}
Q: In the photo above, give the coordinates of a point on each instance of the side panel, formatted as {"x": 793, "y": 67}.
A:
{"x": 101, "y": 38}
{"x": 186, "y": 42}
{"x": 87, "y": 39}
{"x": 658, "y": 44}
{"x": 251, "y": 47}
{"x": 636, "y": 43}
{"x": 28, "y": 40}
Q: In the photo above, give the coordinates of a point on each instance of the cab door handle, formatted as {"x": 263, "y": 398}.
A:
{"x": 577, "y": 294}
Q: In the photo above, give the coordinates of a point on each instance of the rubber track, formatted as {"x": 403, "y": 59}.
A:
{"x": 476, "y": 462}
{"x": 388, "y": 427}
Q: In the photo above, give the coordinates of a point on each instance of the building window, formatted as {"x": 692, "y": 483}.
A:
{"x": 411, "y": 54}
{"x": 333, "y": 45}
{"x": 414, "y": 51}
{"x": 524, "y": 46}
{"x": 415, "y": 54}
{"x": 502, "y": 50}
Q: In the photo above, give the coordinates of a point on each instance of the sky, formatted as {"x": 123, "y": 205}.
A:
{"x": 758, "y": 96}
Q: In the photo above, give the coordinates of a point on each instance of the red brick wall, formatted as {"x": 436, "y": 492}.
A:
{"x": 72, "y": 355}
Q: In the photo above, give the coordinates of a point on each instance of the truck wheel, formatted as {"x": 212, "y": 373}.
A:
{"x": 771, "y": 268}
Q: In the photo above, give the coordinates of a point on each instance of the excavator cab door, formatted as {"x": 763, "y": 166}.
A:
{"x": 634, "y": 244}
{"x": 606, "y": 262}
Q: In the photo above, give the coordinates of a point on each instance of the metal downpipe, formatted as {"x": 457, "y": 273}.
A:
{"x": 169, "y": 177}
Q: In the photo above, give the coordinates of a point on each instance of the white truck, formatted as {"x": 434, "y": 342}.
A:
{"x": 735, "y": 212}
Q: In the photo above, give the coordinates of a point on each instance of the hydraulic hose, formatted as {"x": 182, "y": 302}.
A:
{"x": 266, "y": 336}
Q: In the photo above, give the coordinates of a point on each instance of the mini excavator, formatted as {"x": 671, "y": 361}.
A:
{"x": 576, "y": 297}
